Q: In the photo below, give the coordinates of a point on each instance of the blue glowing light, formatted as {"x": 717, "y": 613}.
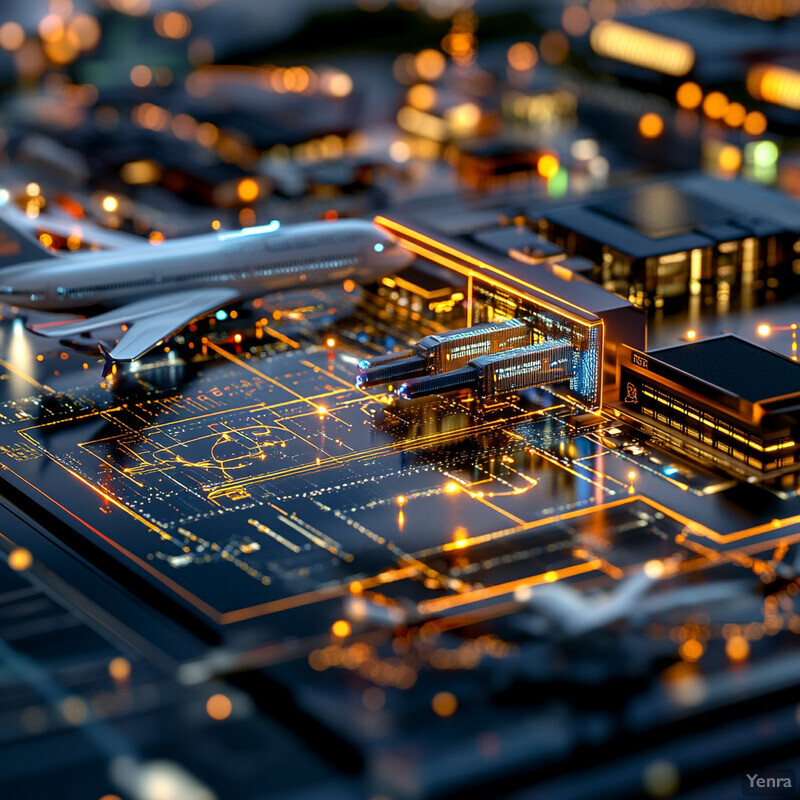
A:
{"x": 4, "y": 196}
{"x": 269, "y": 228}
{"x": 378, "y": 248}
{"x": 670, "y": 471}
{"x": 221, "y": 315}
{"x": 364, "y": 363}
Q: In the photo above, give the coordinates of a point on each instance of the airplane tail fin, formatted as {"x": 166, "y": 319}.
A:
{"x": 108, "y": 366}
{"x": 18, "y": 246}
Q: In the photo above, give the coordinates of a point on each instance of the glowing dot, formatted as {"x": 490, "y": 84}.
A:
{"x": 341, "y": 628}
{"x": 141, "y": 75}
{"x": 32, "y": 189}
{"x": 548, "y": 166}
{"x": 689, "y": 95}
{"x": 156, "y": 237}
{"x": 378, "y": 248}
{"x": 119, "y": 669}
{"x": 734, "y": 115}
{"x": 340, "y": 85}
{"x": 12, "y": 36}
{"x": 422, "y": 96}
{"x": 551, "y": 576}
{"x": 755, "y": 123}
{"x": 691, "y": 650}
{"x": 763, "y": 330}
{"x": 248, "y": 190}
{"x": 715, "y": 105}
{"x": 522, "y": 56}
{"x": 765, "y": 154}
{"x": 429, "y": 64}
{"x": 321, "y": 410}
{"x": 691, "y": 335}
{"x": 110, "y": 203}
{"x": 730, "y": 158}
{"x": 444, "y": 704}
{"x": 401, "y": 500}
{"x": 216, "y": 224}
{"x": 349, "y": 286}
{"x": 221, "y": 315}
{"x": 19, "y": 559}
{"x": 651, "y": 126}
{"x": 330, "y": 341}
{"x": 654, "y": 568}
{"x": 4, "y": 196}
{"x": 46, "y": 239}
{"x": 632, "y": 475}
{"x": 452, "y": 487}
{"x": 237, "y": 338}
{"x": 219, "y": 707}
{"x": 737, "y": 648}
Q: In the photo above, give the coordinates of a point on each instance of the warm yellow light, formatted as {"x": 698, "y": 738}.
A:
{"x": 20, "y": 559}
{"x": 33, "y": 189}
{"x": 632, "y": 476}
{"x": 735, "y": 115}
{"x": 330, "y": 341}
{"x": 691, "y": 335}
{"x": 219, "y": 707}
{"x": 46, "y": 239}
{"x": 651, "y": 125}
{"x": 119, "y": 669}
{"x": 522, "y": 56}
{"x": 141, "y": 75}
{"x": 763, "y": 330}
{"x": 429, "y": 64}
{"x": 215, "y": 224}
{"x": 715, "y": 105}
{"x": 156, "y": 237}
{"x": 12, "y": 36}
{"x": 642, "y": 48}
{"x": 755, "y": 123}
{"x": 689, "y": 95}
{"x": 730, "y": 158}
{"x": 422, "y": 96}
{"x": 341, "y": 628}
{"x": 452, "y": 487}
{"x": 547, "y": 166}
{"x": 737, "y": 648}
{"x": 444, "y": 704}
{"x": 774, "y": 84}
{"x": 691, "y": 650}
{"x": 248, "y": 190}
{"x": 654, "y": 569}
{"x": 172, "y": 24}
{"x": 110, "y": 203}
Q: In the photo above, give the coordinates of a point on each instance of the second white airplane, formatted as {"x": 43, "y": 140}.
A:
{"x": 156, "y": 290}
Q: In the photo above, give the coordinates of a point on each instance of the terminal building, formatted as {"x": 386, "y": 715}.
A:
{"x": 666, "y": 240}
{"x": 548, "y": 293}
{"x": 720, "y": 399}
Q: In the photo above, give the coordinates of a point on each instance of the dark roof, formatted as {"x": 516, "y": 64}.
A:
{"x": 675, "y": 214}
{"x": 735, "y": 365}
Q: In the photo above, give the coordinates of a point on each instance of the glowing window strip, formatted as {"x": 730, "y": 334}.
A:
{"x": 778, "y": 85}
{"x": 642, "y": 48}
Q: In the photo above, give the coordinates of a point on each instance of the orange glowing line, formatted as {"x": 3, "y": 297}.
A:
{"x": 199, "y": 604}
{"x": 443, "y": 603}
{"x": 402, "y": 230}
{"x": 281, "y": 337}
{"x": 535, "y": 524}
{"x": 390, "y": 576}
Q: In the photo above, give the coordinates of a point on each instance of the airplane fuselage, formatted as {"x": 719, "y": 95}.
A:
{"x": 254, "y": 261}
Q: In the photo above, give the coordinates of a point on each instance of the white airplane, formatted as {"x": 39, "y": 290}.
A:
{"x": 157, "y": 290}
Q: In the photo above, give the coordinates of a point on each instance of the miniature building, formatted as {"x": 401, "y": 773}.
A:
{"x": 721, "y": 399}
{"x": 664, "y": 239}
{"x": 553, "y": 299}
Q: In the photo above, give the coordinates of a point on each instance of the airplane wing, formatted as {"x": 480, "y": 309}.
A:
{"x": 149, "y": 321}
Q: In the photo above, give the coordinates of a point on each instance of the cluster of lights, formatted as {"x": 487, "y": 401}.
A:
{"x": 715, "y": 105}
{"x": 280, "y": 80}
